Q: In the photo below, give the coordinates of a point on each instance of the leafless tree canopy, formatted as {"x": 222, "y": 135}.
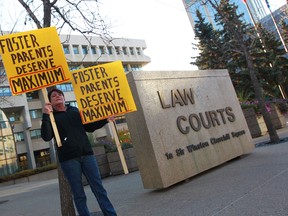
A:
{"x": 77, "y": 16}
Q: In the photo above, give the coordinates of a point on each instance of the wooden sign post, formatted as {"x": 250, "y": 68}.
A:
{"x": 118, "y": 145}
{"x": 52, "y": 120}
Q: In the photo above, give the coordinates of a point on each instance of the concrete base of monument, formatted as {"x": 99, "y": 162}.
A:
{"x": 186, "y": 122}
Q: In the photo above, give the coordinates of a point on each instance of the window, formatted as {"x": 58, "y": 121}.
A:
{"x": 131, "y": 50}
{"x": 85, "y": 50}
{"x": 66, "y": 49}
{"x": 138, "y": 50}
{"x": 35, "y": 134}
{"x": 3, "y": 125}
{"x": 110, "y": 52}
{"x": 42, "y": 157}
{"x": 73, "y": 67}
{"x": 117, "y": 50}
{"x": 36, "y": 113}
{"x": 19, "y": 136}
{"x": 120, "y": 119}
{"x": 66, "y": 87}
{"x": 93, "y": 50}
{"x": 14, "y": 116}
{"x": 73, "y": 103}
{"x": 125, "y": 68}
{"x": 136, "y": 67}
{"x": 102, "y": 50}
{"x": 22, "y": 161}
{"x": 5, "y": 91}
{"x": 2, "y": 73}
{"x": 124, "y": 50}
{"x": 22, "y": 157}
{"x": 75, "y": 49}
{"x": 32, "y": 95}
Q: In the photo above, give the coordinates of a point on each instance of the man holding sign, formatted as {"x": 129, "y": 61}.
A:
{"x": 76, "y": 154}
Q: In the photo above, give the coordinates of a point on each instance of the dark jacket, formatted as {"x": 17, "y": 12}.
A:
{"x": 72, "y": 133}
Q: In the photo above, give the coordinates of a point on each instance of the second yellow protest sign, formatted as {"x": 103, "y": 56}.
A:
{"x": 102, "y": 91}
{"x": 33, "y": 60}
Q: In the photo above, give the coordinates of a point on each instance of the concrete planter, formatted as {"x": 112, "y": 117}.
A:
{"x": 256, "y": 123}
{"x": 102, "y": 160}
{"x": 115, "y": 163}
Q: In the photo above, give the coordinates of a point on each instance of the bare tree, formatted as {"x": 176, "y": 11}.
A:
{"x": 70, "y": 16}
{"x": 238, "y": 36}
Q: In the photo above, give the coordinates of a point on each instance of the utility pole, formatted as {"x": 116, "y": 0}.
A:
{"x": 276, "y": 26}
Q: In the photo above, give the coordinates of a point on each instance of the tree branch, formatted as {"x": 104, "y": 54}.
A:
{"x": 30, "y": 13}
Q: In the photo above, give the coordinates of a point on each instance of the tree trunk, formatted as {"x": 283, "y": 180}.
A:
{"x": 66, "y": 200}
{"x": 274, "y": 138}
{"x": 67, "y": 206}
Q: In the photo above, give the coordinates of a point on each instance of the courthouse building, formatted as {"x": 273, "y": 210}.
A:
{"x": 24, "y": 111}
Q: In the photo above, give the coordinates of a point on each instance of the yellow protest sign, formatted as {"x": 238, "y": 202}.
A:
{"x": 102, "y": 91}
{"x": 33, "y": 60}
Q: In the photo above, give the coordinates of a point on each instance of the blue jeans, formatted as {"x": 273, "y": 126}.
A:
{"x": 87, "y": 165}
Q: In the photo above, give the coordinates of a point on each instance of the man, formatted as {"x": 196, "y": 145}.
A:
{"x": 75, "y": 155}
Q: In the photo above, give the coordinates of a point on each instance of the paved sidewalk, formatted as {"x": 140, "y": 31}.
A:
{"x": 253, "y": 185}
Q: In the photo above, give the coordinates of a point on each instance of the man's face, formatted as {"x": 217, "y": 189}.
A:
{"x": 57, "y": 98}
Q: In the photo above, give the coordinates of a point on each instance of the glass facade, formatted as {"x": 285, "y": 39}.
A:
{"x": 208, "y": 11}
{"x": 254, "y": 11}
{"x": 280, "y": 15}
{"x": 8, "y": 154}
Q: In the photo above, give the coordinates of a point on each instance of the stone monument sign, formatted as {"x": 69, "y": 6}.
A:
{"x": 187, "y": 122}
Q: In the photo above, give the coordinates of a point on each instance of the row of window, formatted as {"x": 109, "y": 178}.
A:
{"x": 16, "y": 116}
{"x": 34, "y": 114}
{"x": 42, "y": 158}
{"x": 5, "y": 91}
{"x": 34, "y": 134}
{"x": 102, "y": 50}
{"x": 19, "y": 136}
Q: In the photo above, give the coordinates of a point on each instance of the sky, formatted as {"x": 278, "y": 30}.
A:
{"x": 163, "y": 24}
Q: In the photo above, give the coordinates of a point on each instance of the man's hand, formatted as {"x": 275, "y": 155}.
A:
{"x": 111, "y": 118}
{"x": 47, "y": 108}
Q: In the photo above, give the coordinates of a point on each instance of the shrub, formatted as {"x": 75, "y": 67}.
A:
{"x": 26, "y": 173}
{"x": 282, "y": 106}
{"x": 251, "y": 104}
{"x": 124, "y": 139}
